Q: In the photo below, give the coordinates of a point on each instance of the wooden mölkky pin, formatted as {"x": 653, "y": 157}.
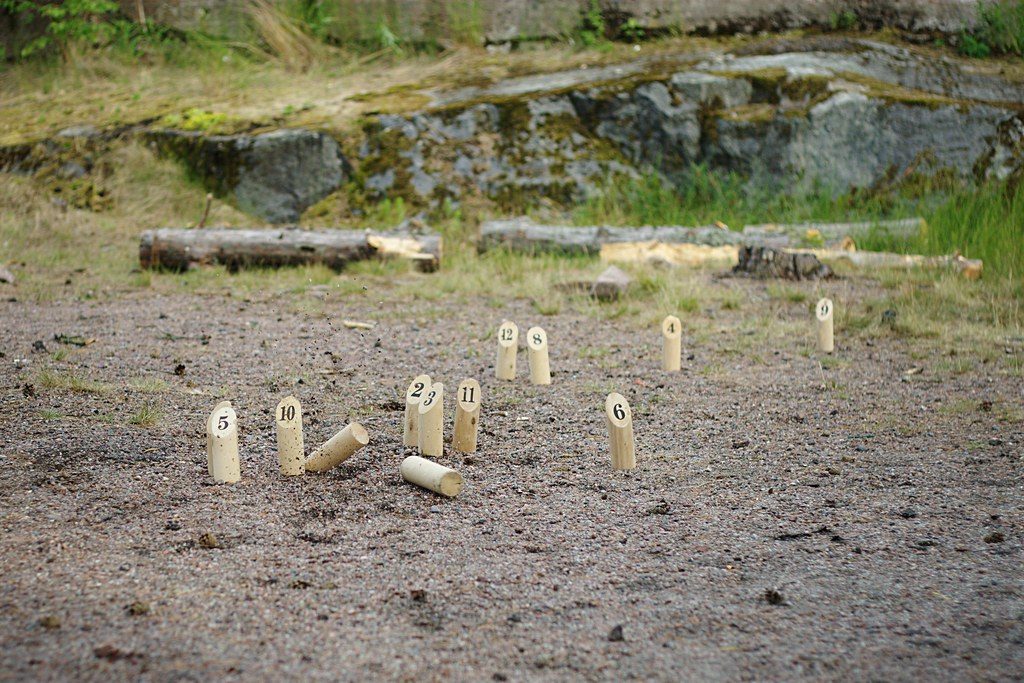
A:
{"x": 620, "y": 431}
{"x": 823, "y": 313}
{"x": 209, "y": 434}
{"x": 413, "y": 395}
{"x": 508, "y": 346}
{"x": 537, "y": 348}
{"x": 672, "y": 350}
{"x": 338, "y": 448}
{"x": 431, "y": 428}
{"x": 467, "y": 416}
{"x": 290, "y": 449}
{"x": 431, "y": 476}
{"x": 222, "y": 444}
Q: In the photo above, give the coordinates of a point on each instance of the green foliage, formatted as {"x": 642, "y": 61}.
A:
{"x": 842, "y": 21}
{"x": 1000, "y": 30}
{"x": 632, "y": 31}
{"x": 465, "y": 21}
{"x": 66, "y": 22}
{"x": 592, "y": 27}
{"x": 195, "y": 119}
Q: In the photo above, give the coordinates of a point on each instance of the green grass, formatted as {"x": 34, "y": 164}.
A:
{"x": 148, "y": 385}
{"x": 67, "y": 380}
{"x": 147, "y": 415}
{"x": 985, "y": 222}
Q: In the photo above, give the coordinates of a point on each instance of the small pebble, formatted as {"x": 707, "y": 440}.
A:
{"x": 615, "y": 635}
{"x": 995, "y": 537}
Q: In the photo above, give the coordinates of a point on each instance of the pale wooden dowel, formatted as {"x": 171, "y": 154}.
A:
{"x": 290, "y": 448}
{"x": 413, "y": 395}
{"x": 467, "y": 416}
{"x": 431, "y": 428}
{"x": 431, "y": 476}
{"x": 672, "y": 348}
{"x": 620, "y": 432}
{"x": 338, "y": 449}
{"x": 823, "y": 313}
{"x": 222, "y": 445}
{"x": 537, "y": 348}
{"x": 508, "y": 346}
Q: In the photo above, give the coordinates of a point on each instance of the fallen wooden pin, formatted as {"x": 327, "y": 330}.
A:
{"x": 338, "y": 448}
{"x": 222, "y": 444}
{"x": 620, "y": 432}
{"x": 524, "y": 236}
{"x": 290, "y": 448}
{"x": 537, "y": 348}
{"x": 467, "y": 416}
{"x": 431, "y": 476}
{"x": 413, "y": 395}
{"x": 823, "y": 314}
{"x": 182, "y": 249}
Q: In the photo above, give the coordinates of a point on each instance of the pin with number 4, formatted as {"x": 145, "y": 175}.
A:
{"x": 672, "y": 348}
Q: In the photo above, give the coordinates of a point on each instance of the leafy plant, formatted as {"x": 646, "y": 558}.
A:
{"x": 632, "y": 31}
{"x": 842, "y": 21}
{"x": 67, "y": 22}
{"x": 592, "y": 29}
{"x": 1000, "y": 30}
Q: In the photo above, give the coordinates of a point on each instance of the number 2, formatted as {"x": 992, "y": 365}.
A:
{"x": 417, "y": 390}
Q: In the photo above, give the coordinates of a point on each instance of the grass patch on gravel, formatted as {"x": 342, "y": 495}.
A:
{"x": 70, "y": 381}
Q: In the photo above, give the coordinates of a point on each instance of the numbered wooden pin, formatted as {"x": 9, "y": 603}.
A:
{"x": 823, "y": 313}
{"x": 413, "y": 396}
{"x": 537, "y": 348}
{"x": 222, "y": 444}
{"x": 290, "y": 451}
{"x": 620, "y": 432}
{"x": 209, "y": 434}
{"x": 431, "y": 476}
{"x": 672, "y": 349}
{"x": 338, "y": 448}
{"x": 467, "y": 416}
{"x": 431, "y": 428}
{"x": 508, "y": 346}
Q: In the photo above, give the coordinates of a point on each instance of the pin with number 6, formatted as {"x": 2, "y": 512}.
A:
{"x": 620, "y": 431}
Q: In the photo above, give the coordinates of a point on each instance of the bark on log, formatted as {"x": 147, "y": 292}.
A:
{"x": 178, "y": 249}
{"x": 524, "y": 236}
{"x": 765, "y": 262}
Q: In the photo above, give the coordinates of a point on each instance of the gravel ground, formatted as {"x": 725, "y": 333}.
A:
{"x": 776, "y": 527}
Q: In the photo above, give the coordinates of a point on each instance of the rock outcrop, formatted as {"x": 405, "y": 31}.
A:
{"x": 275, "y": 176}
{"x": 842, "y": 114}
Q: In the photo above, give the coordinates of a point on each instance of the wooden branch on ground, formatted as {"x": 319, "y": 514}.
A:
{"x": 524, "y": 236}
{"x": 657, "y": 253}
{"x": 178, "y": 249}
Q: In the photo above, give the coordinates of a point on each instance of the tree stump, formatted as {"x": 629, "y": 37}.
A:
{"x": 765, "y": 262}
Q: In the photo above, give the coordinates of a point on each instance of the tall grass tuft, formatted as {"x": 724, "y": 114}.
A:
{"x": 283, "y": 37}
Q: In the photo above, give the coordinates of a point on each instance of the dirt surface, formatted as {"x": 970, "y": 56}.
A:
{"x": 784, "y": 522}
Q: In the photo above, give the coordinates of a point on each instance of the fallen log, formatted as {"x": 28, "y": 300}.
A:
{"x": 524, "y": 236}
{"x": 766, "y": 262}
{"x": 971, "y": 269}
{"x": 179, "y": 249}
{"x": 654, "y": 253}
